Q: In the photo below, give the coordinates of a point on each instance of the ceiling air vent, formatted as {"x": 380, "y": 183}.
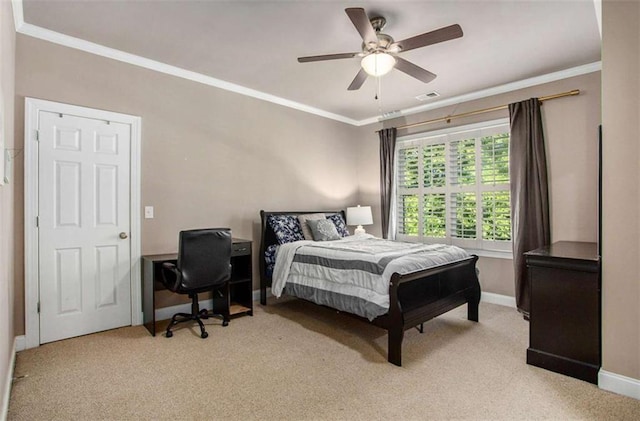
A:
{"x": 389, "y": 114}
{"x": 427, "y": 96}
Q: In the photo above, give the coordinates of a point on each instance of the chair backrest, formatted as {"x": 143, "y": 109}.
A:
{"x": 204, "y": 257}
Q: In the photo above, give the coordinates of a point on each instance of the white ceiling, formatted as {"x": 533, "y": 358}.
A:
{"x": 255, "y": 44}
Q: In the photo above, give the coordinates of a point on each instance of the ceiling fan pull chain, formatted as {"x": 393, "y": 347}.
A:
{"x": 379, "y": 94}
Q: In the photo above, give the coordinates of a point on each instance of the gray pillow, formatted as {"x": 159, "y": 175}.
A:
{"x": 323, "y": 230}
{"x": 306, "y": 231}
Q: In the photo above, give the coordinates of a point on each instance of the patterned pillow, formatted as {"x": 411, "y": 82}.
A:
{"x": 323, "y": 230}
{"x": 286, "y": 228}
{"x": 270, "y": 258}
{"x": 270, "y": 254}
{"x": 306, "y": 231}
{"x": 341, "y": 226}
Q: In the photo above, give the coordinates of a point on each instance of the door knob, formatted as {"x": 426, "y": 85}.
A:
{"x": 123, "y": 235}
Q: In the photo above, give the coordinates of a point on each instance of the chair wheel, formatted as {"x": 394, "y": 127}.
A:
{"x": 204, "y": 335}
{"x": 225, "y": 323}
{"x": 169, "y": 334}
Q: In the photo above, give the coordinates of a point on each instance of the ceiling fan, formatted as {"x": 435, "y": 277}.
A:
{"x": 380, "y": 52}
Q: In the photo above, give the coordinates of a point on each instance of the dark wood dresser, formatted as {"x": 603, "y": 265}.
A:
{"x": 564, "y": 331}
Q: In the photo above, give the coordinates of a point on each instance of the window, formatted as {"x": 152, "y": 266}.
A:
{"x": 452, "y": 186}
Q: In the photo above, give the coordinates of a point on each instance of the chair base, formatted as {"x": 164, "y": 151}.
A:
{"x": 195, "y": 315}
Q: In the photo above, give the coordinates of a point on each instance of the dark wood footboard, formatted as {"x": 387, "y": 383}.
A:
{"x": 414, "y": 298}
{"x": 417, "y": 297}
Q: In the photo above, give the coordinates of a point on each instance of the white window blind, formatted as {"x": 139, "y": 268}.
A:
{"x": 452, "y": 186}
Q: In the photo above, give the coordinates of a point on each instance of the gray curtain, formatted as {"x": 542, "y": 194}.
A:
{"x": 387, "y": 150}
{"x": 529, "y": 191}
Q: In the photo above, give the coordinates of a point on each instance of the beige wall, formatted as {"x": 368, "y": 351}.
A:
{"x": 207, "y": 153}
{"x": 209, "y": 157}
{"x": 7, "y": 194}
{"x": 621, "y": 188}
{"x": 571, "y": 135}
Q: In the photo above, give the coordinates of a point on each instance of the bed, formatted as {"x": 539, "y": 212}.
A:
{"x": 410, "y": 297}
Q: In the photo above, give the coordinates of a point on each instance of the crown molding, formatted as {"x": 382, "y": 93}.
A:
{"x": 100, "y": 50}
{"x": 79, "y": 44}
{"x": 500, "y": 89}
{"x": 18, "y": 14}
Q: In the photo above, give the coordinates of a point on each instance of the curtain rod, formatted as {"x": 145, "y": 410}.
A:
{"x": 484, "y": 110}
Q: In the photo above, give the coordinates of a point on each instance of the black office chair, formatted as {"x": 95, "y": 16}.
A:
{"x": 204, "y": 264}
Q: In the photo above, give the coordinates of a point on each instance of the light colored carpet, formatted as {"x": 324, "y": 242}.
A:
{"x": 297, "y": 361}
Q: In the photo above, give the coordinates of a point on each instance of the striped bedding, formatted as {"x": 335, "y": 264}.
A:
{"x": 353, "y": 274}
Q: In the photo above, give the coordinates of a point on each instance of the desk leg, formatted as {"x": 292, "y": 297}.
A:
{"x": 148, "y": 297}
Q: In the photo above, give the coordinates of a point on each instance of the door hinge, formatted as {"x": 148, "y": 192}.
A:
{"x": 37, "y": 221}
{"x": 38, "y": 307}
{"x": 37, "y": 135}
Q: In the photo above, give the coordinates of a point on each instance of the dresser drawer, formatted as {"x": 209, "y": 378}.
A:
{"x": 241, "y": 249}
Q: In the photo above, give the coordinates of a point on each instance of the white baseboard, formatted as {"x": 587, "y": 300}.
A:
{"x": 487, "y": 297}
{"x": 256, "y": 294}
{"x": 165, "y": 313}
{"x": 619, "y": 384}
{"x": 4, "y": 409}
{"x": 502, "y": 300}
{"x": 21, "y": 343}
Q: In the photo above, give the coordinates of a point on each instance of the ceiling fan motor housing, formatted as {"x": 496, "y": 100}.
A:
{"x": 384, "y": 42}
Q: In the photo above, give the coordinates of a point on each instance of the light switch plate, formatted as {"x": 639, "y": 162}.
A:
{"x": 148, "y": 212}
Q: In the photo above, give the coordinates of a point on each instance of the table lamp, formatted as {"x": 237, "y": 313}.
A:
{"x": 360, "y": 215}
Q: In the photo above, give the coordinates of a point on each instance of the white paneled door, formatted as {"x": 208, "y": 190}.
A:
{"x": 83, "y": 225}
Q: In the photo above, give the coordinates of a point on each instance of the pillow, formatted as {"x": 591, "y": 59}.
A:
{"x": 286, "y": 228}
{"x": 270, "y": 258}
{"x": 270, "y": 255}
{"x": 341, "y": 226}
{"x": 323, "y": 230}
{"x": 306, "y": 231}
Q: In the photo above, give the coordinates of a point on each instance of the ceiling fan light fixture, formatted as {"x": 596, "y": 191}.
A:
{"x": 378, "y": 63}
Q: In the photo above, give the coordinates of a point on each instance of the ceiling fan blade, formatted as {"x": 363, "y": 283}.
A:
{"x": 439, "y": 35}
{"x": 360, "y": 20}
{"x": 326, "y": 57}
{"x": 414, "y": 71}
{"x": 358, "y": 80}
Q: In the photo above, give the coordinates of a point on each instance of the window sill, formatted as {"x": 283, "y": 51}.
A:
{"x": 491, "y": 253}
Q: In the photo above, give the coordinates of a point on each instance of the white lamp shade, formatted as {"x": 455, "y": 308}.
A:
{"x": 378, "y": 64}
{"x": 360, "y": 215}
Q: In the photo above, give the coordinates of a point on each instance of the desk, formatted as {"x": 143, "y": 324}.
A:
{"x": 564, "y": 322}
{"x": 240, "y": 286}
